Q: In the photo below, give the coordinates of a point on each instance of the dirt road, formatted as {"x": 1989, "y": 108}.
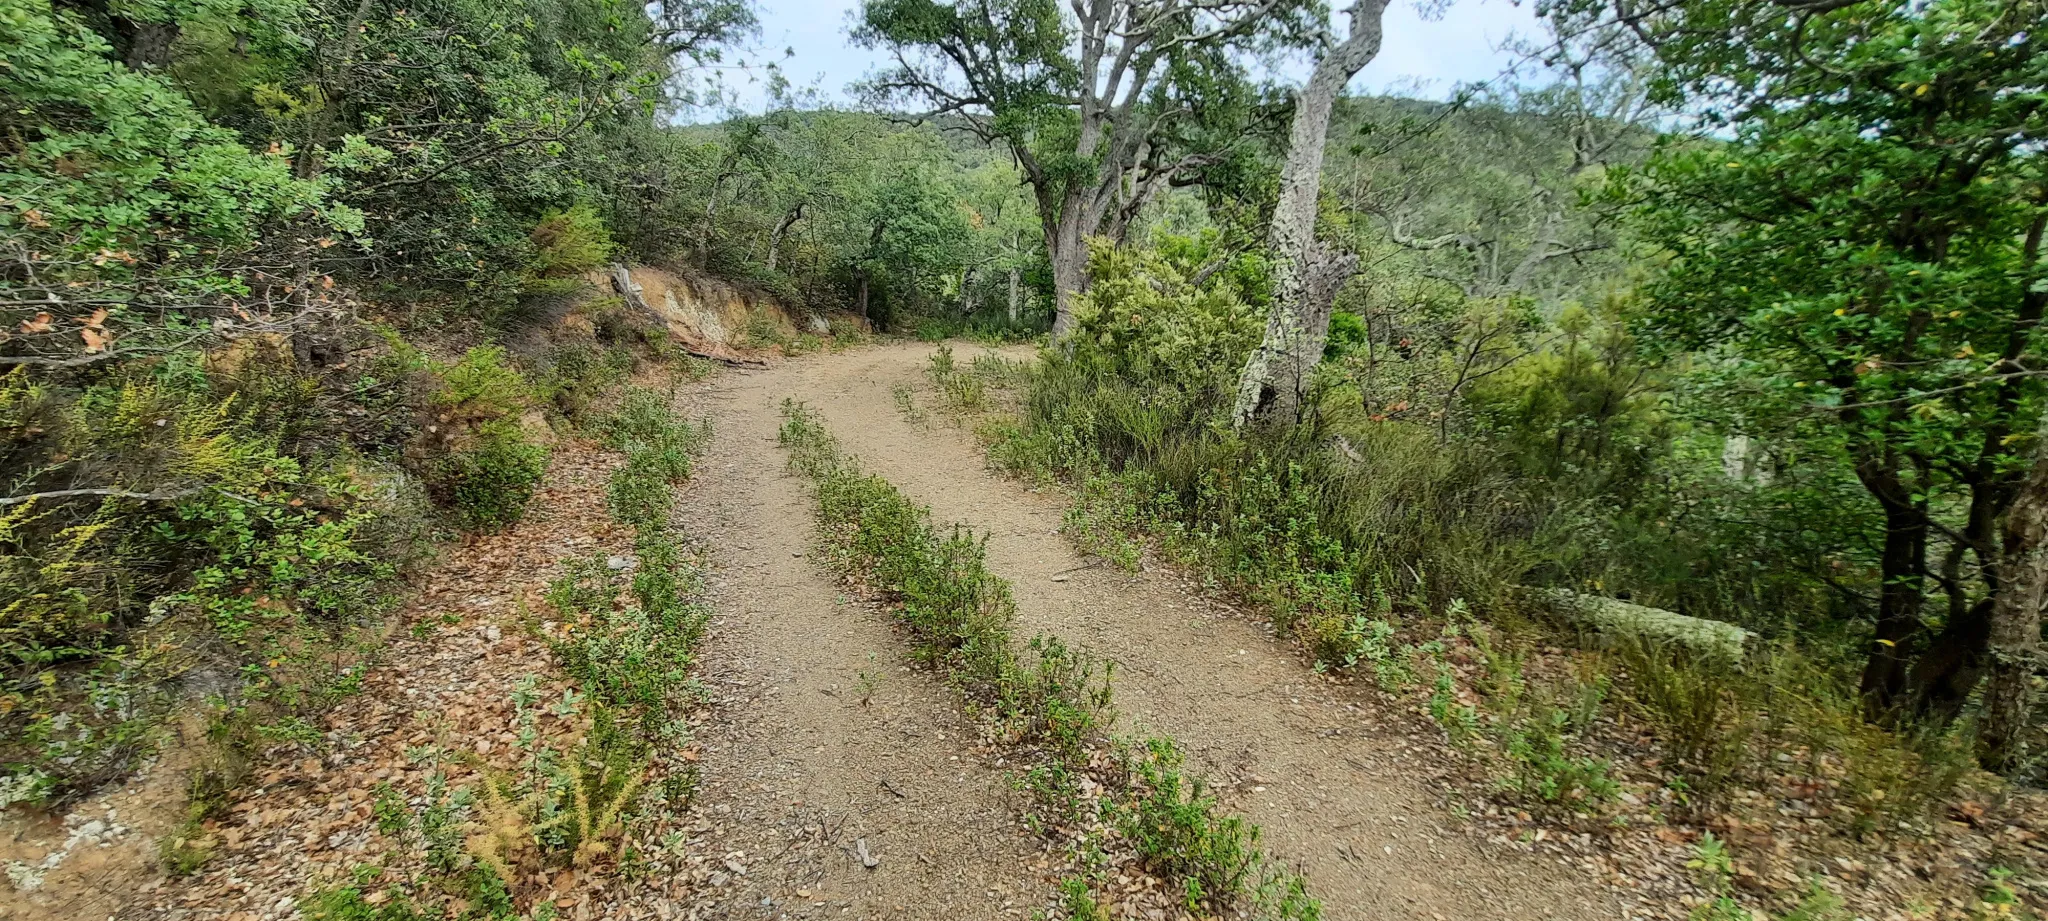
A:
{"x": 823, "y": 744}
{"x": 1299, "y": 755}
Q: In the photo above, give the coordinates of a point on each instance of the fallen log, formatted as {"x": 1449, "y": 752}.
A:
{"x": 1614, "y": 617}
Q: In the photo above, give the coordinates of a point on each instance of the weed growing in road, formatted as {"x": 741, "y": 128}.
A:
{"x": 1079, "y": 903}
{"x": 645, "y": 425}
{"x": 965, "y": 392}
{"x": 1172, "y": 819}
{"x": 906, "y": 405}
{"x": 659, "y": 449}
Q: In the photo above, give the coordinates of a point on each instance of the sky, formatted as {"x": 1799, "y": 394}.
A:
{"x": 1422, "y": 55}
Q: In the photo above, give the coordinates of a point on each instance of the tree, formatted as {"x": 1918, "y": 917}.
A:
{"x": 1307, "y": 273}
{"x": 1867, "y": 246}
{"x": 2015, "y": 634}
{"x": 1487, "y": 189}
{"x": 1100, "y": 111}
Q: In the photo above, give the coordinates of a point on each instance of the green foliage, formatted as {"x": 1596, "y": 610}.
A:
{"x": 1535, "y": 735}
{"x": 481, "y": 386}
{"x": 1854, "y": 284}
{"x": 212, "y": 468}
{"x": 1582, "y": 418}
{"x": 350, "y": 904}
{"x": 489, "y": 482}
{"x": 958, "y": 611}
{"x": 848, "y": 211}
{"x": 576, "y": 373}
{"x": 645, "y": 426}
{"x": 1694, "y": 702}
{"x": 243, "y": 550}
{"x": 634, "y": 659}
{"x": 1173, "y": 823}
{"x": 570, "y": 242}
{"x": 107, "y": 161}
{"x": 1079, "y": 903}
{"x": 482, "y": 464}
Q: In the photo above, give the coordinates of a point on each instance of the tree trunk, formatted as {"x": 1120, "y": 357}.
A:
{"x": 1306, "y": 274}
{"x": 1069, "y": 255}
{"x": 967, "y": 291}
{"x": 1898, "y": 608}
{"x": 710, "y": 217}
{"x": 781, "y": 228}
{"x": 1016, "y": 298}
{"x": 2015, "y": 629}
{"x": 1947, "y": 673}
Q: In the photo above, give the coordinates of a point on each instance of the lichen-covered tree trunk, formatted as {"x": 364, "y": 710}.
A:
{"x": 1306, "y": 274}
{"x": 1068, "y": 254}
{"x": 2016, "y": 620}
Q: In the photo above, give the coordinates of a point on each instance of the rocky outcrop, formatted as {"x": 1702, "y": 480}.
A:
{"x": 713, "y": 318}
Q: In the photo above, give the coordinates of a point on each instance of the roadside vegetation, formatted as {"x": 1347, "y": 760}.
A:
{"x": 610, "y": 753}
{"x": 1664, "y": 420}
{"x": 293, "y": 292}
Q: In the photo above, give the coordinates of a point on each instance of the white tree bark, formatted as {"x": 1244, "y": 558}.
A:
{"x": 1306, "y": 273}
{"x": 781, "y": 229}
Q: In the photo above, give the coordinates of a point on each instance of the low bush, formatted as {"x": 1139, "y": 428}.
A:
{"x": 215, "y": 552}
{"x": 1173, "y": 822}
{"x": 489, "y": 482}
{"x": 645, "y": 427}
{"x": 566, "y": 243}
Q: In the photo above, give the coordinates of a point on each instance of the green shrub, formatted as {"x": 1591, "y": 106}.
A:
{"x": 349, "y": 904}
{"x": 633, "y": 660}
{"x": 577, "y": 372}
{"x": 645, "y": 424}
{"x": 1536, "y": 728}
{"x": 569, "y": 242}
{"x": 223, "y": 550}
{"x": 481, "y": 387}
{"x": 1696, "y": 703}
{"x": 489, "y": 482}
{"x": 1172, "y": 820}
